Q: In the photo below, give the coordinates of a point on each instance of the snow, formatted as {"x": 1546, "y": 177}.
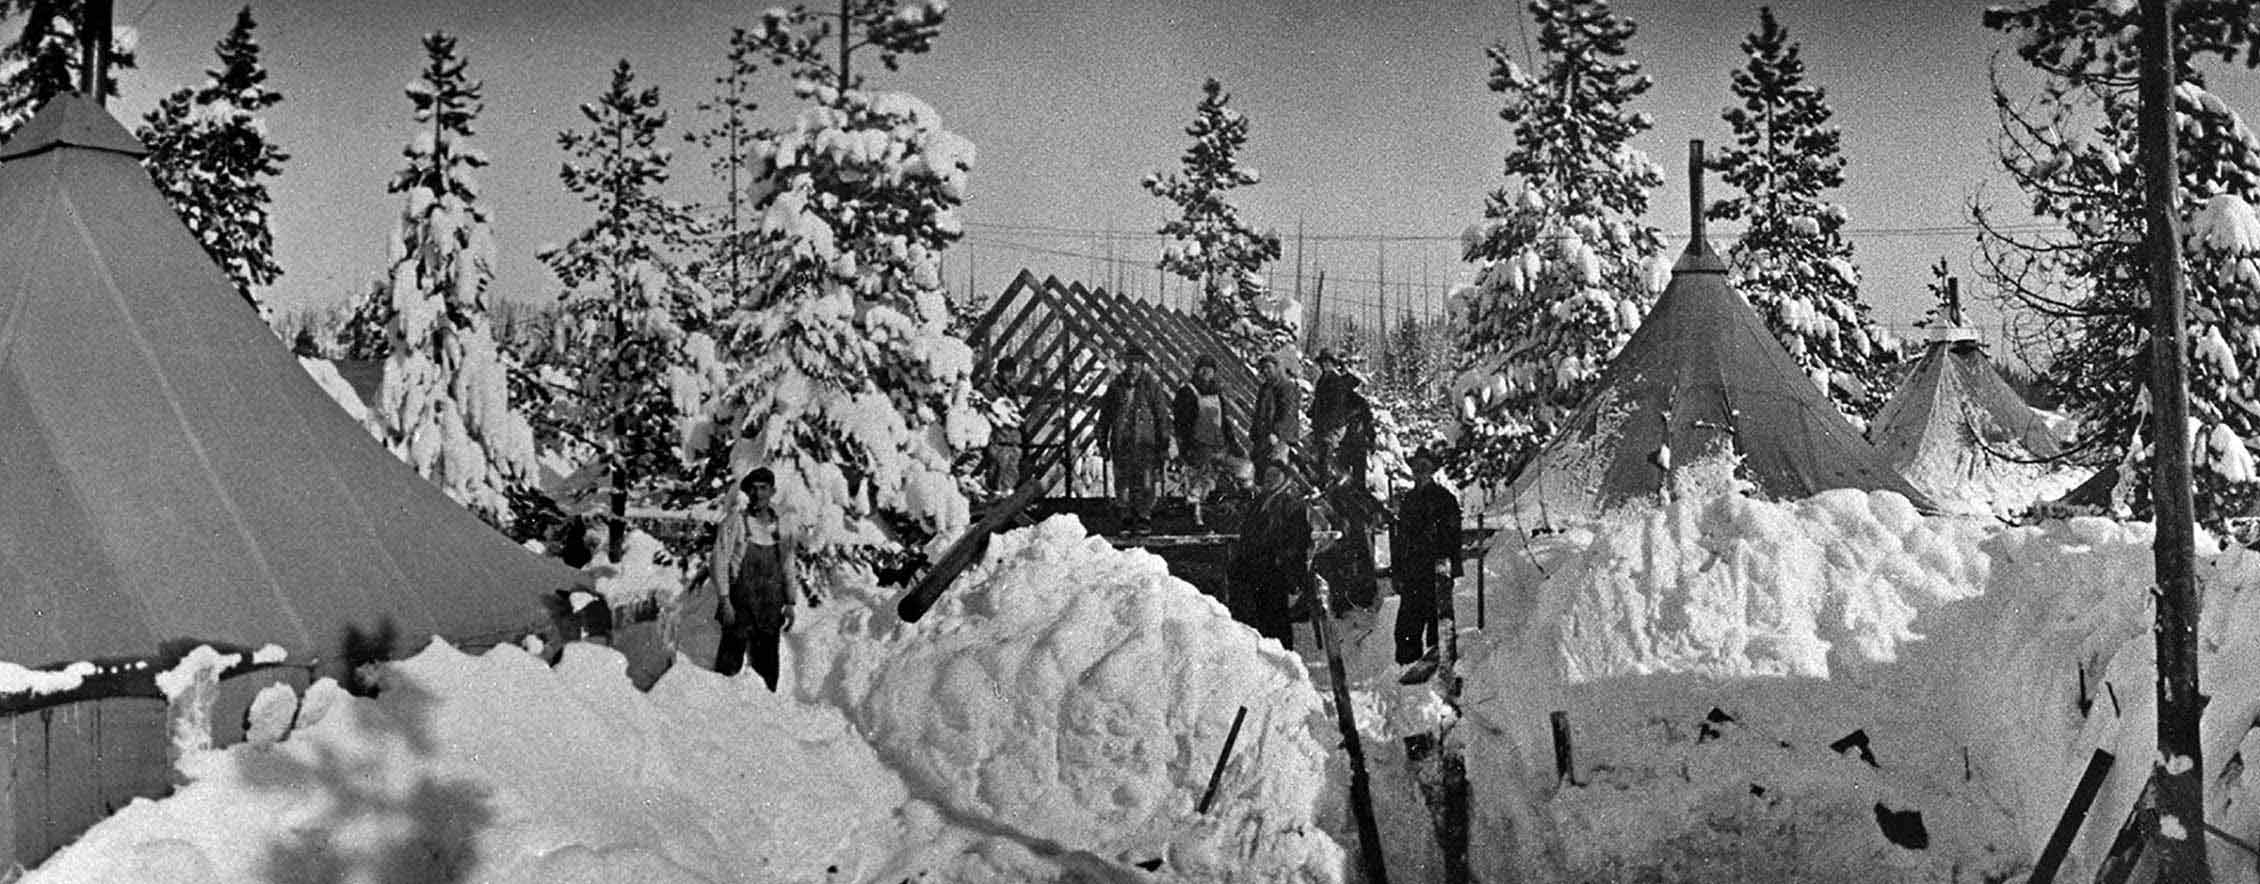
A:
{"x": 1054, "y": 718}
{"x": 19, "y": 680}
{"x": 1956, "y": 646}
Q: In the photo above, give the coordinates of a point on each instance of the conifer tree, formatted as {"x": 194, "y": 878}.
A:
{"x": 208, "y": 152}
{"x": 730, "y": 138}
{"x": 445, "y": 402}
{"x": 636, "y": 347}
{"x": 1210, "y": 244}
{"x": 850, "y": 389}
{"x": 44, "y": 59}
{"x": 1566, "y": 267}
{"x": 1792, "y": 262}
{"x": 2073, "y": 149}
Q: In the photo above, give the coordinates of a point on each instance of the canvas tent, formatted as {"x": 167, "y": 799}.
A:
{"x": 1955, "y": 427}
{"x": 1701, "y": 377}
{"x": 171, "y": 471}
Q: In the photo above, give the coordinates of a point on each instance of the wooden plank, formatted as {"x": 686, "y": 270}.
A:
{"x": 2074, "y": 814}
{"x": 1239, "y": 403}
{"x": 989, "y": 319}
{"x": 1021, "y": 288}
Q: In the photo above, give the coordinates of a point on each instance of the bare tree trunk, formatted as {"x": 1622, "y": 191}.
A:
{"x": 2180, "y": 775}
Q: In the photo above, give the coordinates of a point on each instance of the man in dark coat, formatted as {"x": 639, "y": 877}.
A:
{"x": 1329, "y": 405}
{"x": 1425, "y": 557}
{"x": 1348, "y": 563}
{"x": 1276, "y": 424}
{"x": 1139, "y": 432}
{"x": 1270, "y": 566}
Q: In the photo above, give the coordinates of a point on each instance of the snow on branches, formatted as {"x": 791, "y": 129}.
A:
{"x": 445, "y": 403}
{"x": 851, "y": 389}
{"x": 634, "y": 318}
{"x": 43, "y": 59}
{"x": 1210, "y": 244}
{"x": 2074, "y": 151}
{"x": 1792, "y": 262}
{"x": 208, "y": 151}
{"x": 1566, "y": 268}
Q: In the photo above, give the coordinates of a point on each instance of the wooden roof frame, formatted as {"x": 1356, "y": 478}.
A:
{"x": 1068, "y": 338}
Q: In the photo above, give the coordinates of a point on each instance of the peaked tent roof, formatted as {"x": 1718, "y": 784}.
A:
{"x": 171, "y": 472}
{"x": 1700, "y": 376}
{"x": 1954, "y": 418}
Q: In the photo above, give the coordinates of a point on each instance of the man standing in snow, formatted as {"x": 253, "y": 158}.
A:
{"x": 1277, "y": 422}
{"x": 753, "y": 564}
{"x": 1425, "y": 554}
{"x": 1329, "y": 407}
{"x": 1005, "y": 408}
{"x": 1270, "y": 565}
{"x": 1204, "y": 433}
{"x": 1347, "y": 564}
{"x": 1136, "y": 420}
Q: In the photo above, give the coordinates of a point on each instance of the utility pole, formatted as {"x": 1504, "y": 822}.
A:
{"x": 2180, "y": 771}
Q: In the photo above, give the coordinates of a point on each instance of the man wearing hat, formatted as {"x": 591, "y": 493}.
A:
{"x": 1269, "y": 567}
{"x": 1425, "y": 557}
{"x": 1205, "y": 436}
{"x": 1276, "y": 424}
{"x": 1138, "y": 429}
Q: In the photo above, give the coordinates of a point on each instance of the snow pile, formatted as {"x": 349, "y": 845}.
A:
{"x": 1835, "y": 687}
{"x": 1729, "y": 585}
{"x": 1066, "y": 692}
{"x": 499, "y": 769}
{"x": 643, "y": 574}
{"x": 1055, "y": 718}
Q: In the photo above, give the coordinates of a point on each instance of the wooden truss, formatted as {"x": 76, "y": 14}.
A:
{"x": 1069, "y": 340}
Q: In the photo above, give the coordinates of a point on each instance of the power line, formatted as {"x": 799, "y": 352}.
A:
{"x": 1043, "y": 230}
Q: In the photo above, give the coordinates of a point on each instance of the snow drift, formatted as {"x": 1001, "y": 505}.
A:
{"x": 1835, "y": 687}
{"x": 1055, "y": 718}
{"x": 1065, "y": 691}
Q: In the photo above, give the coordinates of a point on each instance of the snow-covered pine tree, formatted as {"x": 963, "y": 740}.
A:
{"x": 43, "y": 60}
{"x": 1211, "y": 245}
{"x": 637, "y": 351}
{"x": 445, "y": 401}
{"x": 1567, "y": 269}
{"x": 730, "y": 141}
{"x": 2073, "y": 149}
{"x": 208, "y": 151}
{"x": 850, "y": 388}
{"x": 1792, "y": 261}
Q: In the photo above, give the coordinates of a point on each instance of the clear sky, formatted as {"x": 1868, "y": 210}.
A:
{"x": 1369, "y": 119}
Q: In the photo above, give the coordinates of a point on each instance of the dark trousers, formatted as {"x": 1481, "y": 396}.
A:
{"x": 1416, "y": 609}
{"x": 741, "y": 643}
{"x": 1134, "y": 481}
{"x": 1262, "y": 603}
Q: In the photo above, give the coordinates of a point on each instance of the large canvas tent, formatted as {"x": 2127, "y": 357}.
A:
{"x": 171, "y": 472}
{"x": 1702, "y": 377}
{"x": 1955, "y": 427}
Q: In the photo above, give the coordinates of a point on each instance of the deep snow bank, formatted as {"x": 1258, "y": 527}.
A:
{"x": 1054, "y": 719}
{"x": 1710, "y": 652}
{"x": 499, "y": 769}
{"x": 1069, "y": 692}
